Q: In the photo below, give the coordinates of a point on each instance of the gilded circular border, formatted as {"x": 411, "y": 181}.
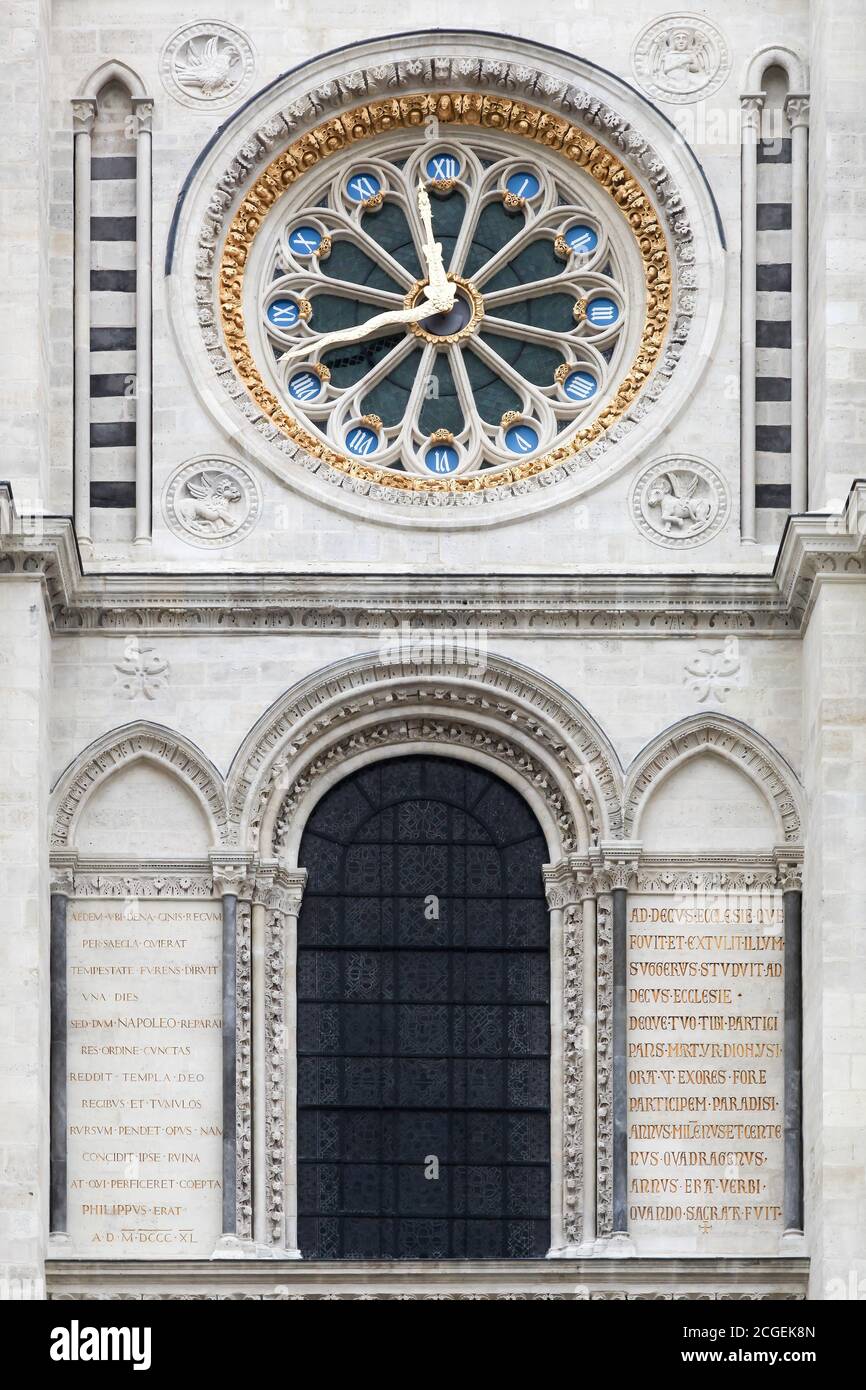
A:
{"x": 410, "y": 112}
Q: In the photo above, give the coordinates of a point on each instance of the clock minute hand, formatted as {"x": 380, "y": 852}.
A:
{"x": 361, "y": 330}
{"x": 432, "y": 249}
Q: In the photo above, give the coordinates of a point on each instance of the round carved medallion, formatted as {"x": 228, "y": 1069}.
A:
{"x": 207, "y": 64}
{"x": 680, "y": 501}
{"x": 680, "y": 58}
{"x": 211, "y": 501}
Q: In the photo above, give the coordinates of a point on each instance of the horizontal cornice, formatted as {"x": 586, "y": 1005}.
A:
{"x": 814, "y": 546}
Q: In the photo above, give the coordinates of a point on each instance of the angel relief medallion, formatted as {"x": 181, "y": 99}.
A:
{"x": 212, "y": 502}
{"x": 681, "y": 58}
{"x": 680, "y": 502}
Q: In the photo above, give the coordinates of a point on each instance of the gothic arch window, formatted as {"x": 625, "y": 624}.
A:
{"x": 423, "y": 1019}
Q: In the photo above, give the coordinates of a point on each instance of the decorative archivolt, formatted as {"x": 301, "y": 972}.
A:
{"x": 490, "y": 707}
{"x": 729, "y": 739}
{"x": 120, "y": 748}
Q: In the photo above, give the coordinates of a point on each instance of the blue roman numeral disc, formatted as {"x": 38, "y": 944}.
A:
{"x": 362, "y": 186}
{"x": 304, "y": 386}
{"x": 579, "y": 386}
{"x": 305, "y": 241}
{"x": 442, "y": 459}
{"x": 521, "y": 439}
{"x": 523, "y": 184}
{"x": 581, "y": 239}
{"x": 443, "y": 166}
{"x": 362, "y": 440}
{"x": 602, "y": 312}
{"x": 283, "y": 313}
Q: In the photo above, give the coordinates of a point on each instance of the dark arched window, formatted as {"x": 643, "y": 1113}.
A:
{"x": 423, "y": 1019}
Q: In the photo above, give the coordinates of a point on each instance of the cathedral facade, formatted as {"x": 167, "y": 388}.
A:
{"x": 433, "y": 592}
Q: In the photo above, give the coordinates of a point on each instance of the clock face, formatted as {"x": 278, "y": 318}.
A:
{"x": 540, "y": 312}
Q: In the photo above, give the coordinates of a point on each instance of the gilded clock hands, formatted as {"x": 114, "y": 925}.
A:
{"x": 426, "y": 310}
{"x": 439, "y": 293}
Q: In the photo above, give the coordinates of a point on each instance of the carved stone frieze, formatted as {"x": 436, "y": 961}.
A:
{"x": 574, "y": 1051}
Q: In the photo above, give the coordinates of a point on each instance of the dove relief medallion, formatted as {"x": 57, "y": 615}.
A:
{"x": 207, "y": 64}
{"x": 211, "y": 501}
{"x": 680, "y": 502}
{"x": 681, "y": 58}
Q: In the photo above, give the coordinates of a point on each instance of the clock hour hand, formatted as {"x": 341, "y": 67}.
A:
{"x": 430, "y": 306}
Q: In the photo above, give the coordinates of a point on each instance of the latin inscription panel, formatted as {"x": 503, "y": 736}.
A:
{"x": 144, "y": 1094}
{"x": 705, "y": 1028}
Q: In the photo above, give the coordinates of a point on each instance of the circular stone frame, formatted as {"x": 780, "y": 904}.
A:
{"x": 217, "y": 463}
{"x": 708, "y": 473}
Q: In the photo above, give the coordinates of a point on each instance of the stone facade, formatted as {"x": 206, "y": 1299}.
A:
{"x": 206, "y": 624}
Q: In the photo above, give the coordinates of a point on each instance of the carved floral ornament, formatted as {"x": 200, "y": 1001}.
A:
{"x": 527, "y": 105}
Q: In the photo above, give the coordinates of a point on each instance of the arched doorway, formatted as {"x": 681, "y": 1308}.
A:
{"x": 423, "y": 1019}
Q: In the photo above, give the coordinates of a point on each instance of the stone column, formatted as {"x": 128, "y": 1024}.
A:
{"x": 230, "y": 883}
{"x": 797, "y": 112}
{"x": 621, "y": 861}
{"x": 751, "y": 106}
{"x": 277, "y": 896}
{"x": 790, "y": 882}
{"x": 84, "y": 114}
{"x": 588, "y": 903}
{"x": 567, "y": 1060}
{"x": 143, "y": 110}
{"x": 61, "y": 890}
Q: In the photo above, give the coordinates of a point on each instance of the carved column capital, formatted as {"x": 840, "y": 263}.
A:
{"x": 62, "y": 873}
{"x": 280, "y": 890}
{"x": 142, "y": 108}
{"x": 621, "y": 861}
{"x": 797, "y": 109}
{"x": 751, "y": 106}
{"x": 231, "y": 874}
{"x": 83, "y": 115}
{"x": 789, "y": 868}
{"x": 560, "y": 884}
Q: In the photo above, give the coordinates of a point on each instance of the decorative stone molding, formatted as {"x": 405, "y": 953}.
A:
{"x": 573, "y": 1280}
{"x": 573, "y": 1092}
{"x": 681, "y": 58}
{"x": 813, "y": 547}
{"x": 126, "y": 745}
{"x": 207, "y": 64}
{"x": 276, "y": 1044}
{"x": 509, "y": 713}
{"x": 244, "y": 1076}
{"x": 92, "y": 878}
{"x": 731, "y": 740}
{"x": 212, "y": 501}
{"x": 604, "y": 1069}
{"x": 680, "y": 502}
{"x": 693, "y": 874}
